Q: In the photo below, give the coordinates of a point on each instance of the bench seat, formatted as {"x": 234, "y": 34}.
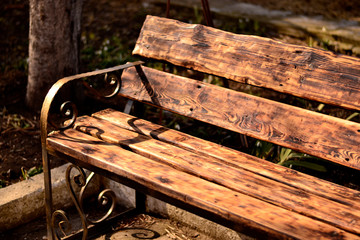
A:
{"x": 225, "y": 185}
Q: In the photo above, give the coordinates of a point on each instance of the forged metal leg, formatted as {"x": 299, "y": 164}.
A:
{"x": 48, "y": 194}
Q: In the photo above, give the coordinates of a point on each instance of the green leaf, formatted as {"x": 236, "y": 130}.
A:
{"x": 320, "y": 107}
{"x": 24, "y": 173}
{"x": 352, "y": 116}
{"x": 305, "y": 164}
{"x": 263, "y": 149}
{"x": 34, "y": 170}
{"x": 3, "y": 183}
{"x": 284, "y": 154}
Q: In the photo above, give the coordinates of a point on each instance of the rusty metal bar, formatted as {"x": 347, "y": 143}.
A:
{"x": 207, "y": 13}
{"x": 168, "y": 8}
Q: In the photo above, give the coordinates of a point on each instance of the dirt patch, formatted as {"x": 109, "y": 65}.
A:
{"x": 20, "y": 147}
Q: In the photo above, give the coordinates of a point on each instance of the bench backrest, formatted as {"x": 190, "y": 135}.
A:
{"x": 301, "y": 71}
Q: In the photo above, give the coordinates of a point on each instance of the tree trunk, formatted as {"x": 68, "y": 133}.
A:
{"x": 54, "y": 37}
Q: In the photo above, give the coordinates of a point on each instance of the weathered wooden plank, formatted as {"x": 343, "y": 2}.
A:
{"x": 234, "y": 158}
{"x": 240, "y": 209}
{"x": 219, "y": 172}
{"x": 317, "y": 134}
{"x": 301, "y": 71}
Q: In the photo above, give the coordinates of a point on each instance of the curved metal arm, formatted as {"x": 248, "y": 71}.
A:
{"x": 44, "y": 118}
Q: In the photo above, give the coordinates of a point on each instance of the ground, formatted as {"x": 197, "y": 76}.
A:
{"x": 20, "y": 152}
{"x": 141, "y": 226}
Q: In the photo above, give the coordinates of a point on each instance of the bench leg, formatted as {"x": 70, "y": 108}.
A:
{"x": 140, "y": 201}
{"x": 59, "y": 219}
{"x": 48, "y": 194}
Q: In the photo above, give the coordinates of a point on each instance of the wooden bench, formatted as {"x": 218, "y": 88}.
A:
{"x": 243, "y": 192}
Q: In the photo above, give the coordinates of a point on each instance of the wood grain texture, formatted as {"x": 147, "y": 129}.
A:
{"x": 301, "y": 71}
{"x": 234, "y": 158}
{"x": 317, "y": 134}
{"x": 238, "y": 208}
{"x": 224, "y": 174}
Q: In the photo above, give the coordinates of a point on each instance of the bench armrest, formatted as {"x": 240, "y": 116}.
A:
{"x": 68, "y": 109}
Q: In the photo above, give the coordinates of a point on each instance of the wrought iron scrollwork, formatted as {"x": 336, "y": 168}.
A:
{"x": 80, "y": 180}
{"x": 106, "y": 197}
{"x": 107, "y": 85}
{"x": 102, "y": 83}
{"x": 64, "y": 225}
{"x": 68, "y": 110}
{"x": 113, "y": 80}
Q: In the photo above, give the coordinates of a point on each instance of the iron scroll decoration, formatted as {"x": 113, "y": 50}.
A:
{"x": 68, "y": 110}
{"x": 81, "y": 180}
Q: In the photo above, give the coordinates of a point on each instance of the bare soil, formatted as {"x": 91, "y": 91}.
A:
{"x": 19, "y": 128}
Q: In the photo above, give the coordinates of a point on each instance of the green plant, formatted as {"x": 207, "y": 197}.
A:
{"x": 244, "y": 26}
{"x": 289, "y": 158}
{"x": 262, "y": 149}
{"x": 320, "y": 107}
{"x": 112, "y": 51}
{"x": 285, "y": 156}
{"x": 325, "y": 44}
{"x": 353, "y": 116}
{"x": 3, "y": 183}
{"x": 26, "y": 174}
{"x": 305, "y": 164}
{"x": 310, "y": 41}
{"x": 14, "y": 122}
{"x": 198, "y": 15}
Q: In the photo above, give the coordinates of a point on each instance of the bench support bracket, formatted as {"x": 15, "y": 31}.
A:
{"x": 106, "y": 198}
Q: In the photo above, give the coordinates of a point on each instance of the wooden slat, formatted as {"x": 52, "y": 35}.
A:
{"x": 242, "y": 210}
{"x": 235, "y": 158}
{"x": 220, "y": 172}
{"x": 316, "y": 134}
{"x": 301, "y": 71}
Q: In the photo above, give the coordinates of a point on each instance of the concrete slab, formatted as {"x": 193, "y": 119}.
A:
{"x": 24, "y": 201}
{"x": 203, "y": 225}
